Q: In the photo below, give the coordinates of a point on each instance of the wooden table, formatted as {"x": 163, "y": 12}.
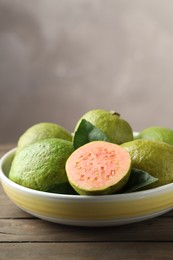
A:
{"x": 23, "y": 236}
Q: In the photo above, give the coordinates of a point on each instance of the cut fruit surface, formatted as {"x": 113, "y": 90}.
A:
{"x": 98, "y": 167}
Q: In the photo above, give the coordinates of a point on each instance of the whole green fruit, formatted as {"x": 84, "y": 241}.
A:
{"x": 41, "y": 166}
{"x": 153, "y": 157}
{"x": 41, "y": 131}
{"x": 156, "y": 133}
{"x": 110, "y": 123}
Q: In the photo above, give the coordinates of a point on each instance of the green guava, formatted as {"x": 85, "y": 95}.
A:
{"x": 154, "y": 157}
{"x": 156, "y": 133}
{"x": 41, "y": 131}
{"x": 41, "y": 166}
{"x": 110, "y": 123}
{"x": 98, "y": 167}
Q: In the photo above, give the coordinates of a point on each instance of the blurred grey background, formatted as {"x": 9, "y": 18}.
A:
{"x": 59, "y": 59}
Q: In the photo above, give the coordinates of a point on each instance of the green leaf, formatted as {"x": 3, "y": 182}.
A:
{"x": 138, "y": 179}
{"x": 86, "y": 133}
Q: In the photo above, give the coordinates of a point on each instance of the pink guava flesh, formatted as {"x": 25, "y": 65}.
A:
{"x": 98, "y": 167}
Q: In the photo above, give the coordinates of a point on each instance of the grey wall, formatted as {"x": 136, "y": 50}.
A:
{"x": 59, "y": 59}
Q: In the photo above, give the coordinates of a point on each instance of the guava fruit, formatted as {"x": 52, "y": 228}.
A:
{"x": 156, "y": 133}
{"x": 154, "y": 157}
{"x": 41, "y": 166}
{"x": 98, "y": 168}
{"x": 41, "y": 131}
{"x": 110, "y": 123}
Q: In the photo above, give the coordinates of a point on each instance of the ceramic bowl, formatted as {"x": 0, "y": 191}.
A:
{"x": 102, "y": 210}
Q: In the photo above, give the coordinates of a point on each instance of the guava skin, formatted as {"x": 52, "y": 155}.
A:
{"x": 41, "y": 131}
{"x": 156, "y": 133}
{"x": 110, "y": 123}
{"x": 154, "y": 157}
{"x": 41, "y": 166}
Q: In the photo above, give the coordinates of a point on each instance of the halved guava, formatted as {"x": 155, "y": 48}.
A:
{"x": 98, "y": 167}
